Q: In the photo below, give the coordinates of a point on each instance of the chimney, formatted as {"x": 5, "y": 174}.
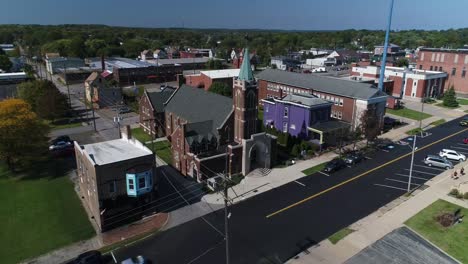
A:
{"x": 103, "y": 64}
{"x": 128, "y": 132}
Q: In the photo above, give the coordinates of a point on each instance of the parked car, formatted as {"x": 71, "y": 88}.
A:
{"x": 465, "y": 140}
{"x": 334, "y": 165}
{"x": 437, "y": 161}
{"x": 135, "y": 260}
{"x": 124, "y": 110}
{"x": 61, "y": 145}
{"x": 89, "y": 257}
{"x": 385, "y": 145}
{"x": 452, "y": 154}
{"x": 61, "y": 138}
{"x": 464, "y": 122}
{"x": 353, "y": 158}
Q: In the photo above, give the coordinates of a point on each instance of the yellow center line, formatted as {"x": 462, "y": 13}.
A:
{"x": 359, "y": 176}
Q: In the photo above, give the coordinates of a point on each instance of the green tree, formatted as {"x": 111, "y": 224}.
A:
{"x": 296, "y": 150}
{"x": 44, "y": 98}
{"x": 23, "y": 135}
{"x": 2, "y": 52}
{"x": 450, "y": 99}
{"x": 212, "y": 64}
{"x": 402, "y": 62}
{"x": 370, "y": 124}
{"x": 5, "y": 63}
{"x": 221, "y": 88}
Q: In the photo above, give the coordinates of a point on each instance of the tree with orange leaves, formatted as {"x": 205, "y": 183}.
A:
{"x": 23, "y": 137}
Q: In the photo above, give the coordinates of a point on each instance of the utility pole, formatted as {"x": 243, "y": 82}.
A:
{"x": 92, "y": 107}
{"x": 226, "y": 207}
{"x": 117, "y": 120}
{"x": 66, "y": 82}
{"x": 412, "y": 161}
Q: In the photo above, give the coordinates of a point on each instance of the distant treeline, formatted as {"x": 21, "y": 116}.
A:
{"x": 95, "y": 40}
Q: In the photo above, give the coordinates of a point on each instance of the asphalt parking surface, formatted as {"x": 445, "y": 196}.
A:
{"x": 273, "y": 227}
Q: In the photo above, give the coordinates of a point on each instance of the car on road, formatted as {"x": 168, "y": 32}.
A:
{"x": 61, "y": 138}
{"x": 135, "y": 260}
{"x": 124, "y": 110}
{"x": 464, "y": 122}
{"x": 437, "y": 161}
{"x": 60, "y": 145}
{"x": 89, "y": 257}
{"x": 334, "y": 165}
{"x": 452, "y": 154}
{"x": 386, "y": 145}
{"x": 353, "y": 158}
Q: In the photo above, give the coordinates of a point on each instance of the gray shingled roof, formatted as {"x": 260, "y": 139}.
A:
{"x": 329, "y": 85}
{"x": 304, "y": 99}
{"x": 157, "y": 99}
{"x": 197, "y": 105}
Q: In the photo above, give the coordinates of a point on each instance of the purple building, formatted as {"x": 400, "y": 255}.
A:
{"x": 296, "y": 113}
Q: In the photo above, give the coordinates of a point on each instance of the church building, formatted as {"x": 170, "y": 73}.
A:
{"x": 210, "y": 133}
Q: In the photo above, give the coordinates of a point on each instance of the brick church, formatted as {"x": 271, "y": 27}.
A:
{"x": 211, "y": 134}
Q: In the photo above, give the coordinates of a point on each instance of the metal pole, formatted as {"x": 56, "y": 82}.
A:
{"x": 384, "y": 56}
{"x": 66, "y": 82}
{"x": 412, "y": 161}
{"x": 226, "y": 219}
{"x": 92, "y": 107}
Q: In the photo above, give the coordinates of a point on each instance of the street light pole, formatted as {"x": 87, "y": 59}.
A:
{"x": 412, "y": 161}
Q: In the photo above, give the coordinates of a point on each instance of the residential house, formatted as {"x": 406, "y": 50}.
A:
{"x": 350, "y": 99}
{"x": 116, "y": 180}
{"x": 237, "y": 57}
{"x": 100, "y": 92}
{"x": 285, "y": 63}
{"x": 152, "y": 105}
{"x": 210, "y": 133}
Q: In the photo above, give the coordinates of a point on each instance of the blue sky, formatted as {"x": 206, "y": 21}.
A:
{"x": 263, "y": 14}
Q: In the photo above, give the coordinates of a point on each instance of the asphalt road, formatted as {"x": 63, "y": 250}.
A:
{"x": 274, "y": 226}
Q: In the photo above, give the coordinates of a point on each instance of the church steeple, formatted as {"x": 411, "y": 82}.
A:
{"x": 245, "y": 101}
{"x": 245, "y": 73}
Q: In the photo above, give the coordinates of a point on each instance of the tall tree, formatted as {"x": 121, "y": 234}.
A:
{"x": 370, "y": 124}
{"x": 23, "y": 137}
{"x": 221, "y": 88}
{"x": 5, "y": 63}
{"x": 450, "y": 99}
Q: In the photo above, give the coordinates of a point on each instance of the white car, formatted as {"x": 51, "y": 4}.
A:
{"x": 452, "y": 154}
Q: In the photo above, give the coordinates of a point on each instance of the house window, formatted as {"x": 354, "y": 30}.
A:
{"x": 337, "y": 101}
{"x": 131, "y": 184}
{"x": 285, "y": 127}
{"x": 334, "y": 114}
{"x": 433, "y": 57}
{"x": 440, "y": 68}
{"x": 178, "y": 142}
{"x": 466, "y": 59}
{"x": 454, "y": 71}
{"x": 293, "y": 126}
{"x": 141, "y": 183}
{"x": 442, "y": 58}
{"x": 415, "y": 83}
{"x": 420, "y": 67}
{"x": 431, "y": 68}
{"x": 266, "y": 108}
{"x": 112, "y": 187}
{"x": 341, "y": 102}
{"x": 464, "y": 72}
{"x": 422, "y": 56}
{"x": 437, "y": 57}
{"x": 340, "y": 115}
{"x": 455, "y": 60}
{"x": 286, "y": 110}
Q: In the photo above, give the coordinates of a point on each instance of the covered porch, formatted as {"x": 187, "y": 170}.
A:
{"x": 329, "y": 132}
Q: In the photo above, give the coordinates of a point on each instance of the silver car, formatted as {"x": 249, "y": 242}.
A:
{"x": 437, "y": 161}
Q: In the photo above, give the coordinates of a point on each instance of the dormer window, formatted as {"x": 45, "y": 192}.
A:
{"x": 286, "y": 112}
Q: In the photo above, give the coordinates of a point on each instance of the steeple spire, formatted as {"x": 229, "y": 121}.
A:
{"x": 245, "y": 73}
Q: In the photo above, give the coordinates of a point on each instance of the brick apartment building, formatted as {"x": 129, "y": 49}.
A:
{"x": 210, "y": 133}
{"x": 404, "y": 83}
{"x": 206, "y": 78}
{"x": 452, "y": 61}
{"x": 117, "y": 180}
{"x": 152, "y": 105}
{"x": 350, "y": 99}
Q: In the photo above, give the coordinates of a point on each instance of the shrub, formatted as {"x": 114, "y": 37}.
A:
{"x": 459, "y": 196}
{"x": 296, "y": 150}
{"x": 465, "y": 196}
{"x": 450, "y": 99}
{"x": 454, "y": 192}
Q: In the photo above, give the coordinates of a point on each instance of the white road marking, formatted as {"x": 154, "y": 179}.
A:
{"x": 112, "y": 254}
{"x": 348, "y": 166}
{"x": 368, "y": 157}
{"x": 328, "y": 175}
{"x": 412, "y": 177}
{"x": 300, "y": 183}
{"x": 385, "y": 150}
{"x": 390, "y": 187}
{"x": 462, "y": 144}
{"x": 405, "y": 182}
{"x": 423, "y": 172}
{"x": 427, "y": 167}
{"x": 460, "y": 148}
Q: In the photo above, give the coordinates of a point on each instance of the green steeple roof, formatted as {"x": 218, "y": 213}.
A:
{"x": 245, "y": 72}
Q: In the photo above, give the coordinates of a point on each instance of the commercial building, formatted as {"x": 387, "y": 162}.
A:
{"x": 117, "y": 180}
{"x": 406, "y": 83}
{"x": 152, "y": 106}
{"x": 181, "y": 64}
{"x": 205, "y": 79}
{"x": 452, "y": 61}
{"x": 285, "y": 63}
{"x": 54, "y": 63}
{"x": 8, "y": 82}
{"x": 210, "y": 133}
{"x": 350, "y": 99}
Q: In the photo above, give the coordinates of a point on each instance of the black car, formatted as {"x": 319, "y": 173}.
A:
{"x": 334, "y": 165}
{"x": 124, "y": 110}
{"x": 61, "y": 138}
{"x": 89, "y": 257}
{"x": 354, "y": 157}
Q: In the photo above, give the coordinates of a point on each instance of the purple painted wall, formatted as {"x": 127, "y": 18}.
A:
{"x": 298, "y": 119}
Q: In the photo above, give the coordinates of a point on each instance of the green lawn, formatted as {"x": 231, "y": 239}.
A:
{"x": 462, "y": 101}
{"x": 141, "y": 135}
{"x": 61, "y": 124}
{"x": 340, "y": 235}
{"x": 414, "y": 131}
{"x": 408, "y": 113}
{"x": 453, "y": 240}
{"x": 438, "y": 122}
{"x": 314, "y": 169}
{"x": 449, "y": 107}
{"x": 39, "y": 214}
{"x": 162, "y": 149}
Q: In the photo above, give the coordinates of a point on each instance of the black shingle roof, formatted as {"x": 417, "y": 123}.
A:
{"x": 197, "y": 105}
{"x": 157, "y": 99}
{"x": 329, "y": 85}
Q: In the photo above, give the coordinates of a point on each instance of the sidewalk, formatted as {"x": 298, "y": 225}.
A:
{"x": 383, "y": 221}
